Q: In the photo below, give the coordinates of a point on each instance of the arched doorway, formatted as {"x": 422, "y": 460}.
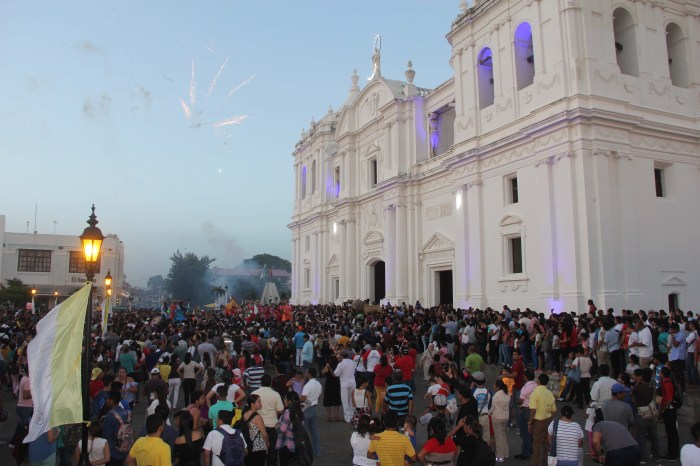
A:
{"x": 377, "y": 282}
{"x": 672, "y": 302}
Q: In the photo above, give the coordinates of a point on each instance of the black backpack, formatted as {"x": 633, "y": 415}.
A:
{"x": 304, "y": 452}
{"x": 484, "y": 455}
{"x": 243, "y": 426}
{"x": 232, "y": 449}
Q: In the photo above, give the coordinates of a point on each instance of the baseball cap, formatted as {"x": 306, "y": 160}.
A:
{"x": 619, "y": 388}
{"x": 95, "y": 373}
{"x": 479, "y": 376}
{"x": 155, "y": 370}
{"x": 440, "y": 400}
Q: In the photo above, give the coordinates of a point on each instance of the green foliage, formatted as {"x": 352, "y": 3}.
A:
{"x": 188, "y": 278}
{"x": 15, "y": 292}
{"x": 156, "y": 282}
{"x": 273, "y": 262}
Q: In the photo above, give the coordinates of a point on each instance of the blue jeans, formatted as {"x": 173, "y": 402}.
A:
{"x": 522, "y": 416}
{"x": 535, "y": 361}
{"x": 504, "y": 357}
{"x": 567, "y": 462}
{"x": 526, "y": 353}
{"x": 691, "y": 369}
{"x": 311, "y": 424}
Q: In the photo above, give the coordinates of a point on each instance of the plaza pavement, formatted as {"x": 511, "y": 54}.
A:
{"x": 335, "y": 436}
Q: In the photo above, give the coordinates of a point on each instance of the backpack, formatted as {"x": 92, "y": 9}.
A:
{"x": 484, "y": 455}
{"x": 232, "y": 448}
{"x": 125, "y": 433}
{"x": 242, "y": 425}
{"x": 72, "y": 434}
{"x": 677, "y": 401}
{"x": 302, "y": 447}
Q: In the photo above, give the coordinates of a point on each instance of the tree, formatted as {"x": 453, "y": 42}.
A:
{"x": 188, "y": 278}
{"x": 15, "y": 292}
{"x": 156, "y": 282}
{"x": 271, "y": 261}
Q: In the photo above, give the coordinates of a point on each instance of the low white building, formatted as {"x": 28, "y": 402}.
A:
{"x": 560, "y": 162}
{"x": 54, "y": 265}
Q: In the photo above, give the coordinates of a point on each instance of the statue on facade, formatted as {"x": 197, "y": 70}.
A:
{"x": 376, "y": 58}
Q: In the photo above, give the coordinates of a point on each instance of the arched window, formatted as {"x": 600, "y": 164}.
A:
{"x": 303, "y": 182}
{"x": 524, "y": 56}
{"x": 625, "y": 42}
{"x": 484, "y": 70}
{"x": 313, "y": 177}
{"x": 676, "y": 44}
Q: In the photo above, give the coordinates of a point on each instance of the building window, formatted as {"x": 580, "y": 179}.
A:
{"x": 677, "y": 55}
{"x": 34, "y": 260}
{"x": 313, "y": 177}
{"x": 336, "y": 180}
{"x": 76, "y": 263}
{"x": 660, "y": 182}
{"x": 373, "y": 173}
{"x": 524, "y": 56}
{"x": 484, "y": 71}
{"x": 515, "y": 255}
{"x": 512, "y": 189}
{"x": 307, "y": 278}
{"x": 303, "y": 182}
{"x": 625, "y": 42}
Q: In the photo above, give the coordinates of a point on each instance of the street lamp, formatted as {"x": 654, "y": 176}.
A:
{"x": 226, "y": 294}
{"x": 55, "y": 298}
{"x": 108, "y": 278}
{"x": 91, "y": 242}
{"x": 33, "y": 294}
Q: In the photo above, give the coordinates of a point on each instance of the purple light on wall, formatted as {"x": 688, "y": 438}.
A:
{"x": 556, "y": 305}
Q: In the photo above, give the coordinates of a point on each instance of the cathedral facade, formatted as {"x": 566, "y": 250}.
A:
{"x": 559, "y": 163}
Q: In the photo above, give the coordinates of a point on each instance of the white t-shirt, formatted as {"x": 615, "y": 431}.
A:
{"x": 568, "y": 435}
{"x": 96, "y": 448}
{"x": 690, "y": 455}
{"x": 360, "y": 445}
{"x": 231, "y": 394}
{"x": 633, "y": 338}
{"x": 585, "y": 365}
{"x": 373, "y": 359}
{"x": 215, "y": 439}
{"x": 312, "y": 391}
{"x": 644, "y": 336}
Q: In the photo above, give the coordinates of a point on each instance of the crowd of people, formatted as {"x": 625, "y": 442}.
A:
{"x": 247, "y": 387}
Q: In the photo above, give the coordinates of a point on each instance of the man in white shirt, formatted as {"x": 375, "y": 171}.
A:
{"x": 215, "y": 439}
{"x": 346, "y": 373}
{"x": 643, "y": 343}
{"x": 372, "y": 357}
{"x": 602, "y": 389}
{"x": 272, "y": 407}
{"x": 310, "y": 395}
{"x": 690, "y": 453}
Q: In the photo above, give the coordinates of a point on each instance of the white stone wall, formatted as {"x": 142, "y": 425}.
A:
{"x": 583, "y": 139}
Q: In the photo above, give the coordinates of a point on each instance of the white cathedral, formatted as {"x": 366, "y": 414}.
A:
{"x": 559, "y": 163}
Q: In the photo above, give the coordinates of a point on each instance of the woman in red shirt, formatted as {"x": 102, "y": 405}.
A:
{"x": 381, "y": 372}
{"x": 440, "y": 449}
{"x": 669, "y": 414}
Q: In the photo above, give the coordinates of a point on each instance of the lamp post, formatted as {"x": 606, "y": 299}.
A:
{"x": 91, "y": 241}
{"x": 33, "y": 294}
{"x": 55, "y": 298}
{"x": 226, "y": 294}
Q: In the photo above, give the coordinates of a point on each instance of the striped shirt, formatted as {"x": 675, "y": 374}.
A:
{"x": 568, "y": 435}
{"x": 253, "y": 375}
{"x": 397, "y": 397}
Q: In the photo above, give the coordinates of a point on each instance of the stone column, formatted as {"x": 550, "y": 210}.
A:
{"x": 475, "y": 246}
{"x": 351, "y": 259}
{"x": 315, "y": 271}
{"x": 460, "y": 263}
{"x": 390, "y": 252}
{"x": 295, "y": 271}
{"x": 343, "y": 262}
{"x": 401, "y": 273}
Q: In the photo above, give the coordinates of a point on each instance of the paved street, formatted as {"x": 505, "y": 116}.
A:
{"x": 335, "y": 436}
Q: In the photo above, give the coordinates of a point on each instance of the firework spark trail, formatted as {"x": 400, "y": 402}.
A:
{"x": 237, "y": 120}
{"x": 193, "y": 89}
{"x": 216, "y": 78}
{"x": 185, "y": 108}
{"x": 235, "y": 89}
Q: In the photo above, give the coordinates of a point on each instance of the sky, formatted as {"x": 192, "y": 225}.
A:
{"x": 178, "y": 119}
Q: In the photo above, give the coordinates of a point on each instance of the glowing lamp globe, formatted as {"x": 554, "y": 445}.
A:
{"x": 91, "y": 240}
{"x": 108, "y": 278}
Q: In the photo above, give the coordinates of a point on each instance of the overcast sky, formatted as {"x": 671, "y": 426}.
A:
{"x": 178, "y": 119}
